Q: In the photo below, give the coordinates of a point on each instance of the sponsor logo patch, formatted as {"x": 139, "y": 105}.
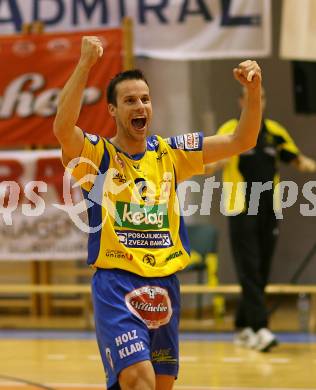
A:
{"x": 129, "y": 344}
{"x": 137, "y": 239}
{"x": 119, "y": 177}
{"x": 174, "y": 255}
{"x": 191, "y": 141}
{"x": 149, "y": 259}
{"x": 114, "y": 254}
{"x": 163, "y": 355}
{"x": 161, "y": 154}
{"x": 132, "y": 215}
{"x": 151, "y": 304}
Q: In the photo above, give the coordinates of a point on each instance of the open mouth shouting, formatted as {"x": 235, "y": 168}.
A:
{"x": 139, "y": 123}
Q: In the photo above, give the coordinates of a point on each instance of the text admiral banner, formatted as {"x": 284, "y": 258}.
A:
{"x": 166, "y": 29}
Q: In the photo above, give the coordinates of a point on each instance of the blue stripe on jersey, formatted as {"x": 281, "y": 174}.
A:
{"x": 172, "y": 142}
{"x": 152, "y": 143}
{"x": 183, "y": 233}
{"x": 136, "y": 156}
{"x": 200, "y": 140}
{"x": 94, "y": 198}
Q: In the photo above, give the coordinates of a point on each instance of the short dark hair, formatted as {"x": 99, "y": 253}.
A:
{"x": 134, "y": 74}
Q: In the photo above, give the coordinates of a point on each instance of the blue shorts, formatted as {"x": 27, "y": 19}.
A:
{"x": 136, "y": 319}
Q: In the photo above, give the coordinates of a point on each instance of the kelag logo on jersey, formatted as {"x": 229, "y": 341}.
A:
{"x": 130, "y": 215}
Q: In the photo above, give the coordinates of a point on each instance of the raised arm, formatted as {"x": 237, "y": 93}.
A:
{"x": 68, "y": 134}
{"x": 218, "y": 147}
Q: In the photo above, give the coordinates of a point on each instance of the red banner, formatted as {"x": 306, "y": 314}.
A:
{"x": 34, "y": 68}
{"x": 34, "y": 222}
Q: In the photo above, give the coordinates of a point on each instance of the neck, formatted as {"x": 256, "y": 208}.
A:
{"x": 129, "y": 147}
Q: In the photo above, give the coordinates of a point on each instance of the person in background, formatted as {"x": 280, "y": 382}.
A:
{"x": 130, "y": 183}
{"x": 253, "y": 237}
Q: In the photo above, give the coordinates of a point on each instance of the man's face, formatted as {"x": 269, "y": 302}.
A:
{"x": 133, "y": 110}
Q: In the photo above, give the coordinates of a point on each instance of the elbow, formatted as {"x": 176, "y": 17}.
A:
{"x": 56, "y": 127}
{"x": 57, "y": 130}
{"x": 250, "y": 144}
{"x": 60, "y": 122}
{"x": 243, "y": 145}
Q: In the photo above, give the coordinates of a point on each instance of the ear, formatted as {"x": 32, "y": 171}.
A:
{"x": 112, "y": 109}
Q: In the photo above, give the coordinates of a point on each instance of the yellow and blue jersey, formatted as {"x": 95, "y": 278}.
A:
{"x": 134, "y": 213}
{"x": 260, "y": 164}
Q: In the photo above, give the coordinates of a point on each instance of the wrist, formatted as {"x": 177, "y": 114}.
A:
{"x": 84, "y": 65}
{"x": 254, "y": 91}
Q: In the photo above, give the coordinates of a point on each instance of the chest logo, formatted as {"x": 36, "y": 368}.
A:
{"x": 149, "y": 259}
{"x": 130, "y": 215}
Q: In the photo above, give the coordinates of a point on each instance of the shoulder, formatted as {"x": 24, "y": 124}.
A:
{"x": 275, "y": 128}
{"x": 95, "y": 143}
{"x": 96, "y": 148}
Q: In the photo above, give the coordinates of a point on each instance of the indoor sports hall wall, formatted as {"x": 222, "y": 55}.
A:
{"x": 203, "y": 95}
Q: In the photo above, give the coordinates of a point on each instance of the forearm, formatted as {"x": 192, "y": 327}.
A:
{"x": 249, "y": 124}
{"x": 70, "y": 99}
{"x": 219, "y": 147}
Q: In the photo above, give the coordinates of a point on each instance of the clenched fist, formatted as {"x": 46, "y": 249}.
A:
{"x": 91, "y": 50}
{"x": 248, "y": 73}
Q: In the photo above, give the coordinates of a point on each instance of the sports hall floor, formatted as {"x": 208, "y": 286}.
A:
{"x": 32, "y": 360}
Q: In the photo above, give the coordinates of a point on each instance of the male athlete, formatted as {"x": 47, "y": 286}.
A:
{"x": 143, "y": 241}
